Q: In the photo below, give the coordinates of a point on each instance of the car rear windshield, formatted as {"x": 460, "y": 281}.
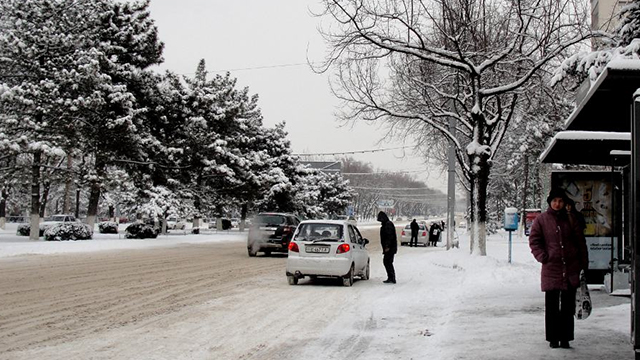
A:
{"x": 270, "y": 219}
{"x": 420, "y": 226}
{"x": 311, "y": 232}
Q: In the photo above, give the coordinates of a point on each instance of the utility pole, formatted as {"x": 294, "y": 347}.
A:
{"x": 451, "y": 182}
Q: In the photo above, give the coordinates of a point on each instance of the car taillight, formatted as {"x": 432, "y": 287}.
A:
{"x": 293, "y": 247}
{"x": 343, "y": 249}
{"x": 424, "y": 233}
{"x": 402, "y": 232}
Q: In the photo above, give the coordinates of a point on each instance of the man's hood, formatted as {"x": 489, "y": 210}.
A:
{"x": 382, "y": 217}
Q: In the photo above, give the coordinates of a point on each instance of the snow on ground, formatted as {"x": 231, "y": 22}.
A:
{"x": 446, "y": 305}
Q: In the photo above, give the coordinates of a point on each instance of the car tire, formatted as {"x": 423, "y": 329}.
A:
{"x": 292, "y": 280}
{"x": 347, "y": 280}
{"x": 367, "y": 272}
{"x": 252, "y": 253}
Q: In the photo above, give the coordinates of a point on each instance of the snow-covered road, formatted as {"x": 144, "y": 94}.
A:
{"x": 206, "y": 299}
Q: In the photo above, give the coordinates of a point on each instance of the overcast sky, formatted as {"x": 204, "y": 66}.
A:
{"x": 265, "y": 45}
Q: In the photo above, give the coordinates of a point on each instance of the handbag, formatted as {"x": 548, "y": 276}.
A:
{"x": 583, "y": 299}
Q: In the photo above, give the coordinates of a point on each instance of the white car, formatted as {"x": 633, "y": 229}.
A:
{"x": 327, "y": 248}
{"x": 57, "y": 219}
{"x": 173, "y": 223}
{"x": 423, "y": 235}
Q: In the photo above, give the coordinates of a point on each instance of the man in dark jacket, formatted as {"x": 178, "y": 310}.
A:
{"x": 559, "y": 244}
{"x": 414, "y": 233}
{"x": 389, "y": 242}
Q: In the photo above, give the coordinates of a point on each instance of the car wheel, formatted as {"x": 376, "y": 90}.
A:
{"x": 252, "y": 253}
{"x": 292, "y": 280}
{"x": 347, "y": 280}
{"x": 367, "y": 272}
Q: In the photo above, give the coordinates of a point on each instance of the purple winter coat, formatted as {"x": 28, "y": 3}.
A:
{"x": 560, "y": 246}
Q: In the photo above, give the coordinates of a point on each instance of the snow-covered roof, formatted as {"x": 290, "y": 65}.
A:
{"x": 592, "y": 135}
{"x": 607, "y": 104}
{"x": 620, "y": 153}
{"x": 585, "y": 147}
{"x": 624, "y": 64}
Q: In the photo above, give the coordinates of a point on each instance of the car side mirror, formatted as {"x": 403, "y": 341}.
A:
{"x": 365, "y": 241}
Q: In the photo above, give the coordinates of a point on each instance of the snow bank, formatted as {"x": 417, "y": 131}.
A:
{"x": 12, "y": 244}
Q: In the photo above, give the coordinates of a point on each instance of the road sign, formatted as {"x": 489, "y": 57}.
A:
{"x": 386, "y": 203}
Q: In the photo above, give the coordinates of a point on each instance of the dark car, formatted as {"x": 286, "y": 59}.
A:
{"x": 271, "y": 232}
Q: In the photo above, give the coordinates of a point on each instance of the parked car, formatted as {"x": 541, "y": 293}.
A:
{"x": 271, "y": 232}
{"x": 55, "y": 220}
{"x": 174, "y": 223}
{"x": 423, "y": 235}
{"x": 328, "y": 248}
{"x": 235, "y": 222}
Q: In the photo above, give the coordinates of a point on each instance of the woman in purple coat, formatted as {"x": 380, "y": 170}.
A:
{"x": 557, "y": 242}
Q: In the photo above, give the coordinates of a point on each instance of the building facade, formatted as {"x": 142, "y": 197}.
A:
{"x": 604, "y": 14}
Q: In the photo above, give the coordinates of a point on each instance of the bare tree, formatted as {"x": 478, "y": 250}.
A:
{"x": 417, "y": 64}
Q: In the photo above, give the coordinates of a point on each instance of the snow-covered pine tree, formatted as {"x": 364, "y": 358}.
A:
{"x": 124, "y": 42}
{"x": 41, "y": 57}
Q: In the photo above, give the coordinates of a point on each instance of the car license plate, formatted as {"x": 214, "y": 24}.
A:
{"x": 317, "y": 249}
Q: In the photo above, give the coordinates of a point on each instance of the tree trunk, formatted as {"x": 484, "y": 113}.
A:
{"x": 481, "y": 208}
{"x": 66, "y": 205}
{"x": 35, "y": 196}
{"x": 197, "y": 204}
{"x": 45, "y": 195}
{"x": 3, "y": 208}
{"x": 94, "y": 196}
{"x": 219, "y": 217}
{"x": 524, "y": 195}
{"x": 472, "y": 213}
{"x": 479, "y": 185}
{"x": 243, "y": 216}
{"x": 112, "y": 213}
{"x": 77, "y": 212}
{"x": 537, "y": 190}
{"x": 165, "y": 213}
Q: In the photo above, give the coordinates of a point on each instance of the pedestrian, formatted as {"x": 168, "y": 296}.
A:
{"x": 576, "y": 215}
{"x": 389, "y": 242}
{"x": 558, "y": 243}
{"x": 414, "y": 233}
{"x": 434, "y": 234}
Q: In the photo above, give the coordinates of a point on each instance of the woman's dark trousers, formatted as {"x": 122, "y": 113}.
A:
{"x": 559, "y": 306}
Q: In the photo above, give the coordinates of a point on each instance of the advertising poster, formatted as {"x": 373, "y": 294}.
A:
{"x": 530, "y": 215}
{"x": 593, "y": 194}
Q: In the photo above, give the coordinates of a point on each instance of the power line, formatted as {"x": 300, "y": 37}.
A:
{"x": 379, "y": 188}
{"x": 413, "y": 195}
{"x": 262, "y": 67}
{"x": 354, "y": 152}
{"x": 386, "y": 172}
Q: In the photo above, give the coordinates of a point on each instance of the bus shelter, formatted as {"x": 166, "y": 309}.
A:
{"x": 604, "y": 130}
